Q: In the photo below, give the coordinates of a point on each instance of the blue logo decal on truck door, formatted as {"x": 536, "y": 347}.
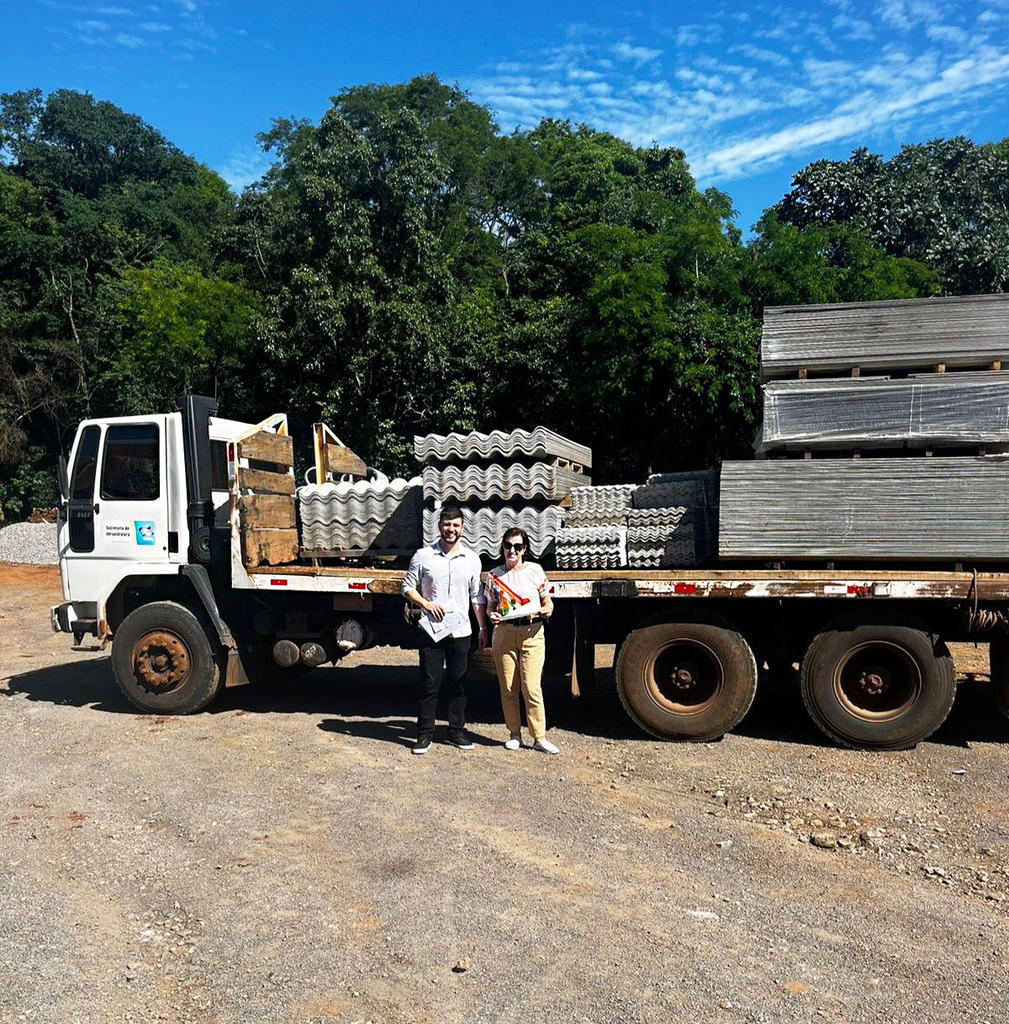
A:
{"x": 144, "y": 532}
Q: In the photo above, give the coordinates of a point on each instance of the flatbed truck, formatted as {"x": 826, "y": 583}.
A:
{"x": 154, "y": 557}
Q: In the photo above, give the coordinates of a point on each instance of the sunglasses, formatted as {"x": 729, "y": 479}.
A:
{"x": 514, "y": 547}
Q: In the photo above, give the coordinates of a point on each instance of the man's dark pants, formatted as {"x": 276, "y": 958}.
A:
{"x": 449, "y": 656}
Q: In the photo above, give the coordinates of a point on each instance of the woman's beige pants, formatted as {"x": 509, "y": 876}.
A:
{"x": 518, "y": 657}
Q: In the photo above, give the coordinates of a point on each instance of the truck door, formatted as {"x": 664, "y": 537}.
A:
{"x": 118, "y": 507}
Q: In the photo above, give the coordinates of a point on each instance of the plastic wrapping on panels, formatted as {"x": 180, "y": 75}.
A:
{"x": 934, "y": 410}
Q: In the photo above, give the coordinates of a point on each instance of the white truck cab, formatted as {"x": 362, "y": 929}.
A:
{"x": 126, "y": 507}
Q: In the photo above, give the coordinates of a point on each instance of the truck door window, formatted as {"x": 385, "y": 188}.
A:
{"x": 131, "y": 469}
{"x": 218, "y": 465}
{"x": 82, "y": 483}
{"x": 80, "y": 514}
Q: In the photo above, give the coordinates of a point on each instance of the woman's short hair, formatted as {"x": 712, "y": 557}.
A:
{"x": 516, "y": 531}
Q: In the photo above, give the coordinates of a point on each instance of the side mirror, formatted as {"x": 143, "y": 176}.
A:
{"x": 63, "y": 477}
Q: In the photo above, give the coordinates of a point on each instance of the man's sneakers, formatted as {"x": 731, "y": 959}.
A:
{"x": 545, "y": 746}
{"x": 460, "y": 740}
{"x": 422, "y": 746}
{"x": 514, "y": 741}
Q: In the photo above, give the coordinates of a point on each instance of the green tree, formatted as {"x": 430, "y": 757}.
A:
{"x": 944, "y": 203}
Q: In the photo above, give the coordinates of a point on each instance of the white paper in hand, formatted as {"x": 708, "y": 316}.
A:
{"x": 452, "y": 621}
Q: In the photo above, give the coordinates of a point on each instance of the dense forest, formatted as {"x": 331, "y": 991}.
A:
{"x": 404, "y": 267}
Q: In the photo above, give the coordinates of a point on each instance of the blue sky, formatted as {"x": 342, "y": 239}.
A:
{"x": 751, "y": 91}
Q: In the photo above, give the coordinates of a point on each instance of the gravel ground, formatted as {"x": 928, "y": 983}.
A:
{"x": 28, "y": 543}
{"x": 282, "y": 858}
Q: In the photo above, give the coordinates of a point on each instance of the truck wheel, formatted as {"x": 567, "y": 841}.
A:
{"x": 163, "y": 660}
{"x": 686, "y": 680}
{"x": 881, "y": 686}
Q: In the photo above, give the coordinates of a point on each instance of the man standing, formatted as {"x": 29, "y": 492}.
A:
{"x": 444, "y": 581}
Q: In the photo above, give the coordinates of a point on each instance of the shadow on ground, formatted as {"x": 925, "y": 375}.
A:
{"x": 378, "y": 701}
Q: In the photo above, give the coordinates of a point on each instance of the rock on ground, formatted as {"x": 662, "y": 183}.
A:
{"x": 28, "y": 543}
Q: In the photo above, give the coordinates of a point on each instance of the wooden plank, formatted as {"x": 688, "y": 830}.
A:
{"x": 689, "y": 575}
{"x": 340, "y": 461}
{"x": 267, "y": 511}
{"x": 263, "y": 480}
{"x": 268, "y": 447}
{"x": 269, "y": 547}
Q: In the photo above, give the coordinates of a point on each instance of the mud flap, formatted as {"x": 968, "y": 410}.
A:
{"x": 583, "y": 651}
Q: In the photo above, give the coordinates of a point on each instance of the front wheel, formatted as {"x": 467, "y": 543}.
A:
{"x": 686, "y": 680}
{"x": 882, "y": 686}
{"x": 163, "y": 660}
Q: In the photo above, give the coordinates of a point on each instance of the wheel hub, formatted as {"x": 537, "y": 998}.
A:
{"x": 161, "y": 661}
{"x": 685, "y": 677}
{"x": 874, "y": 681}
{"x": 877, "y": 681}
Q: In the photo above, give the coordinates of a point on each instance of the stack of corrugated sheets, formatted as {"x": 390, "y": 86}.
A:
{"x": 666, "y": 521}
{"x": 501, "y": 480}
{"x": 924, "y": 391}
{"x": 364, "y": 517}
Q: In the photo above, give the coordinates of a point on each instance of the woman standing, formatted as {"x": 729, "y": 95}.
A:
{"x": 518, "y": 604}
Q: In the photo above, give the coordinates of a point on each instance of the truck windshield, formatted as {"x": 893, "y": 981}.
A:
{"x": 131, "y": 466}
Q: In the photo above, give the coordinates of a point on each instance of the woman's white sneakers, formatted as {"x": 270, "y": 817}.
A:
{"x": 514, "y": 742}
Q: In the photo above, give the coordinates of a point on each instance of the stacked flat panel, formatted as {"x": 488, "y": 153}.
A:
{"x": 592, "y": 547}
{"x": 913, "y": 509}
{"x": 483, "y": 528}
{"x": 665, "y": 490}
{"x": 485, "y": 483}
{"x": 929, "y": 410}
{"x": 538, "y": 443}
{"x": 903, "y": 334}
{"x": 373, "y": 515}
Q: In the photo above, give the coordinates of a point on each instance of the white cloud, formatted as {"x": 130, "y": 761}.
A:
{"x": 638, "y": 54}
{"x": 243, "y": 167}
{"x": 759, "y": 53}
{"x": 131, "y": 42}
{"x": 853, "y": 28}
{"x": 92, "y": 26}
{"x": 857, "y": 115}
{"x": 155, "y": 26}
{"x": 115, "y": 11}
{"x": 947, "y": 34}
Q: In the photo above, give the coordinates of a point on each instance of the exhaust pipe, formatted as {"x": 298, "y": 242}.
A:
{"x": 313, "y": 654}
{"x": 286, "y": 653}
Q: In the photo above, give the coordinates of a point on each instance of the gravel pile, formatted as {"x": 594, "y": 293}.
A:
{"x": 31, "y": 543}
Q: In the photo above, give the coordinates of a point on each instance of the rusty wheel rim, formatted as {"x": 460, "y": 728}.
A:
{"x": 685, "y": 677}
{"x": 161, "y": 661}
{"x": 877, "y": 681}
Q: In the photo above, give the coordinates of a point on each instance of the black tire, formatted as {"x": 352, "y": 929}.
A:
{"x": 163, "y": 660}
{"x": 877, "y": 685}
{"x": 686, "y": 680}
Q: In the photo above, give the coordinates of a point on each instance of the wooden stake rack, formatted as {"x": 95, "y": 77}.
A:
{"x": 266, "y": 497}
{"x": 332, "y": 457}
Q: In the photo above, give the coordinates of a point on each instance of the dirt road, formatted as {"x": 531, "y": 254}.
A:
{"x": 283, "y": 858}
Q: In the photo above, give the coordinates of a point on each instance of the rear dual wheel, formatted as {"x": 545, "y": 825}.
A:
{"x": 883, "y": 686}
{"x": 686, "y": 680}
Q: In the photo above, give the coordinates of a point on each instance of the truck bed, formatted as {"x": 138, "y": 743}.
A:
{"x": 859, "y": 583}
